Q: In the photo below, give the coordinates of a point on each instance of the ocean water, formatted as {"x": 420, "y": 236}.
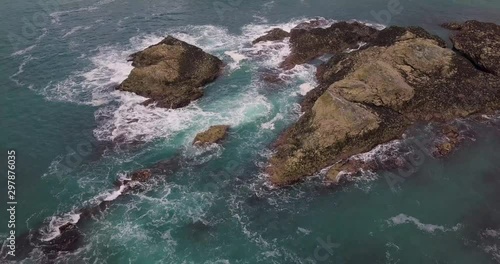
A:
{"x": 74, "y": 136}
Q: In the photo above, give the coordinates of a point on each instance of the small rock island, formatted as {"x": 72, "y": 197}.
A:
{"x": 213, "y": 135}
{"x": 171, "y": 73}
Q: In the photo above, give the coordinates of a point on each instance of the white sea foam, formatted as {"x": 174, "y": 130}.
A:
{"x": 33, "y": 46}
{"x": 303, "y": 230}
{"x": 134, "y": 121}
{"x": 20, "y": 69}
{"x": 430, "y": 228}
{"x": 492, "y": 233}
{"x": 494, "y": 251}
{"x": 305, "y": 88}
{"x": 236, "y": 57}
{"x": 380, "y": 152}
{"x": 75, "y": 29}
{"x": 24, "y": 51}
{"x": 112, "y": 196}
{"x": 56, "y": 16}
{"x": 270, "y": 124}
{"x": 52, "y": 231}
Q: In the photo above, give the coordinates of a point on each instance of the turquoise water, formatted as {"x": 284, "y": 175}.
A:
{"x": 57, "y": 97}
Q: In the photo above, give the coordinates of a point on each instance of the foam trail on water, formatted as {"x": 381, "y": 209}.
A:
{"x": 75, "y": 29}
{"x": 430, "y": 228}
{"x": 112, "y": 196}
{"x": 23, "y": 51}
{"x": 56, "y": 16}
{"x": 20, "y": 69}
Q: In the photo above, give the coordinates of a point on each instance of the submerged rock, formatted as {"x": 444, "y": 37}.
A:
{"x": 308, "y": 43}
{"x": 213, "y": 135}
{"x": 452, "y": 25}
{"x": 171, "y": 73}
{"x": 452, "y": 139}
{"x": 275, "y": 34}
{"x": 371, "y": 96}
{"x": 480, "y": 42}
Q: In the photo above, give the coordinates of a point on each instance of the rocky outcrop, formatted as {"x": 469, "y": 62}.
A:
{"x": 213, "y": 135}
{"x": 307, "y": 42}
{"x": 141, "y": 175}
{"x": 371, "y": 96}
{"x": 171, "y": 73}
{"x": 275, "y": 34}
{"x": 480, "y": 42}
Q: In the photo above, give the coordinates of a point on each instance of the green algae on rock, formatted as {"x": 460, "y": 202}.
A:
{"x": 171, "y": 73}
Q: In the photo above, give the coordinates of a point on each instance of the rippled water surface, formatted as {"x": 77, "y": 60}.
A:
{"x": 61, "y": 62}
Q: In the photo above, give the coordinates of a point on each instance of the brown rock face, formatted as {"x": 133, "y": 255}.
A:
{"x": 171, "y": 73}
{"x": 309, "y": 43}
{"x": 480, "y": 42}
{"x": 275, "y": 34}
{"x": 213, "y": 135}
{"x": 450, "y": 143}
{"x": 371, "y": 96}
{"x": 141, "y": 175}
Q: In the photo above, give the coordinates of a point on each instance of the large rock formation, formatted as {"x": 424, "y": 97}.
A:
{"x": 480, "y": 42}
{"x": 171, "y": 73}
{"x": 371, "y": 96}
{"x": 308, "y": 43}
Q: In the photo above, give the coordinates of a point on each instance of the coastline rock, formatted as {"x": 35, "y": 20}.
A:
{"x": 275, "y": 34}
{"x": 309, "y": 43}
{"x": 371, "y": 96}
{"x": 171, "y": 73}
{"x": 480, "y": 42}
{"x": 213, "y": 135}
